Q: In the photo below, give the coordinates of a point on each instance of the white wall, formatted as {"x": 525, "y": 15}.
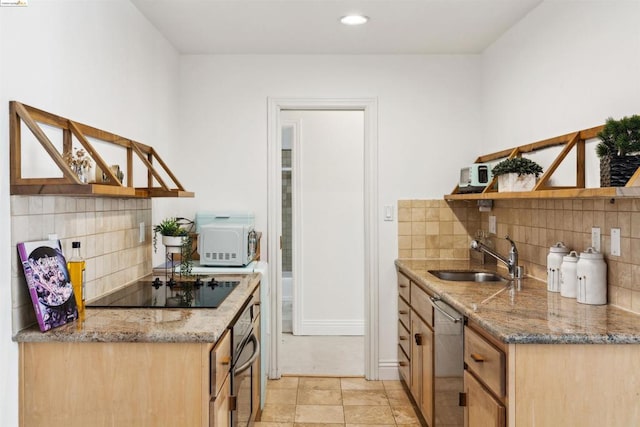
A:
{"x": 98, "y": 62}
{"x": 428, "y": 125}
{"x": 567, "y": 65}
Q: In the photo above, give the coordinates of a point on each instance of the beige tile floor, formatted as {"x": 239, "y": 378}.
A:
{"x": 334, "y": 402}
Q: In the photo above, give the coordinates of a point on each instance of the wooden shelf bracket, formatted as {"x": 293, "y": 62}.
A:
{"x": 542, "y": 188}
{"x": 69, "y": 183}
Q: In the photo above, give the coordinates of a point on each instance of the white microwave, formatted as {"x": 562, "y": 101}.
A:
{"x": 229, "y": 245}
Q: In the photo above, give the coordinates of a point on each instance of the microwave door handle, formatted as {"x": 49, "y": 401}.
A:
{"x": 253, "y": 357}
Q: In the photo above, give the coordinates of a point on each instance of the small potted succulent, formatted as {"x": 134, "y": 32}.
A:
{"x": 619, "y": 150}
{"x": 517, "y": 174}
{"x": 174, "y": 235}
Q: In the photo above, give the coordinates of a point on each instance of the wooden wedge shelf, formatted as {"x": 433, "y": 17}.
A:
{"x": 542, "y": 190}
{"x": 69, "y": 183}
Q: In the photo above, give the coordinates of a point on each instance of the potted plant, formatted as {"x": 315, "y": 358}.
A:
{"x": 619, "y": 150}
{"x": 173, "y": 235}
{"x": 517, "y": 174}
{"x": 177, "y": 239}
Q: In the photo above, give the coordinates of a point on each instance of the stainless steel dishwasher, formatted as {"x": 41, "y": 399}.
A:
{"x": 449, "y": 364}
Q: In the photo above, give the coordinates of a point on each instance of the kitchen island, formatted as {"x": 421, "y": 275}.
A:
{"x": 532, "y": 357}
{"x": 130, "y": 367}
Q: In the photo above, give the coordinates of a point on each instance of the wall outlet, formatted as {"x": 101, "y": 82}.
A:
{"x": 615, "y": 241}
{"x": 493, "y": 226}
{"x": 141, "y": 234}
{"x": 595, "y": 238}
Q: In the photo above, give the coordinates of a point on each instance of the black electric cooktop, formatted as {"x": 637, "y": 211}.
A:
{"x": 204, "y": 292}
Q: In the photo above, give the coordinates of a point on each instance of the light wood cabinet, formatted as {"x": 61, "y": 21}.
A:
{"x": 256, "y": 377}
{"x": 219, "y": 414}
{"x": 115, "y": 384}
{"x": 482, "y": 409}
{"x": 422, "y": 366}
{"x": 404, "y": 328}
{"x": 415, "y": 345}
{"x": 220, "y": 389}
{"x": 484, "y": 380}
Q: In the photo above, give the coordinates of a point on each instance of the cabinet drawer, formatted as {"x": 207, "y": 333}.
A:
{"x": 404, "y": 338}
{"x": 220, "y": 362}
{"x": 404, "y": 313}
{"x": 485, "y": 360}
{"x": 404, "y": 366}
{"x": 421, "y": 304}
{"x": 404, "y": 287}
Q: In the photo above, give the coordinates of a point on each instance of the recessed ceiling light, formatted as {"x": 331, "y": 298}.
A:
{"x": 354, "y": 19}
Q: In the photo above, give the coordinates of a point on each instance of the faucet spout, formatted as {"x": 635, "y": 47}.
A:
{"x": 511, "y": 261}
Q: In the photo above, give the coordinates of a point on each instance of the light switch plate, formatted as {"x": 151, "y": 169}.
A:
{"x": 615, "y": 241}
{"x": 388, "y": 212}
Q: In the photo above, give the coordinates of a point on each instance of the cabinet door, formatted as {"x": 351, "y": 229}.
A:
{"x": 255, "y": 376}
{"x": 482, "y": 409}
{"x": 422, "y": 366}
{"x": 219, "y": 415}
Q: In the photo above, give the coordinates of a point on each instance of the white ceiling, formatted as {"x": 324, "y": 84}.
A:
{"x": 312, "y": 27}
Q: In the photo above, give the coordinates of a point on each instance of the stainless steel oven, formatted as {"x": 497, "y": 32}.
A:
{"x": 244, "y": 367}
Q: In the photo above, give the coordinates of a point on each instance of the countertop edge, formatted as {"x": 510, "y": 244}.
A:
{"x": 176, "y": 325}
{"x": 499, "y": 330}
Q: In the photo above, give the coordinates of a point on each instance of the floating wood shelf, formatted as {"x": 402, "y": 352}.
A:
{"x": 69, "y": 183}
{"x": 544, "y": 191}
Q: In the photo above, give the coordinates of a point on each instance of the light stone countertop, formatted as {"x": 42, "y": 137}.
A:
{"x": 203, "y": 325}
{"x": 529, "y": 315}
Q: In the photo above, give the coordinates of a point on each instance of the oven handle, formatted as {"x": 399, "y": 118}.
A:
{"x": 434, "y": 303}
{"x": 254, "y": 356}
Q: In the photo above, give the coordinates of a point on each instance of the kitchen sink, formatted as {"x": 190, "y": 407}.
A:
{"x": 467, "y": 276}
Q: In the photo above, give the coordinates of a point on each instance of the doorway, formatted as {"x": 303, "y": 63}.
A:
{"x": 323, "y": 214}
{"x": 283, "y": 113}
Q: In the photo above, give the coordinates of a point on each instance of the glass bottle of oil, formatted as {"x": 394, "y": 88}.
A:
{"x": 76, "y": 266}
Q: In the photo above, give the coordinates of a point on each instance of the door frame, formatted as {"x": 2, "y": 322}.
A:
{"x": 274, "y": 219}
{"x": 296, "y": 244}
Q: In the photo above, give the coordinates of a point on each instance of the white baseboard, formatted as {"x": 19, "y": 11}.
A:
{"x": 388, "y": 370}
{"x": 332, "y": 327}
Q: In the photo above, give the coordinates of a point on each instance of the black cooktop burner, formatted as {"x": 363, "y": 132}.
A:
{"x": 207, "y": 293}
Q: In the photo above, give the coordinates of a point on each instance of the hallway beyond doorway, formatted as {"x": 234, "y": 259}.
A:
{"x": 322, "y": 355}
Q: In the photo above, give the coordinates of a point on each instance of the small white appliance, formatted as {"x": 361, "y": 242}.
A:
{"x": 226, "y": 239}
{"x": 475, "y": 178}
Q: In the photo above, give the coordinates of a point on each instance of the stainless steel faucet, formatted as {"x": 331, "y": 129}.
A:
{"x": 511, "y": 262}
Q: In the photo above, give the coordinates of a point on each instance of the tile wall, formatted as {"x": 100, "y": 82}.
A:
{"x": 435, "y": 229}
{"x": 534, "y": 225}
{"x": 107, "y": 228}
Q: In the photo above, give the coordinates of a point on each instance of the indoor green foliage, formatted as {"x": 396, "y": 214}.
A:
{"x": 619, "y": 137}
{"x": 168, "y": 227}
{"x": 519, "y": 165}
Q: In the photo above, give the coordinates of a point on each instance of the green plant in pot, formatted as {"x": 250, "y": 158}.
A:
{"x": 619, "y": 150}
{"x": 176, "y": 239}
{"x": 517, "y": 174}
{"x": 172, "y": 232}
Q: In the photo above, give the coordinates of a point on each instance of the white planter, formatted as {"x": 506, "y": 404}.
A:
{"x": 173, "y": 243}
{"x": 515, "y": 182}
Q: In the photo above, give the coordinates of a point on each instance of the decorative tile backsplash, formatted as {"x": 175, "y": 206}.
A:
{"x": 425, "y": 231}
{"x": 107, "y": 228}
{"x": 435, "y": 229}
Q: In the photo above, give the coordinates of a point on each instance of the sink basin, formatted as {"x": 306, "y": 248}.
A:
{"x": 467, "y": 276}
